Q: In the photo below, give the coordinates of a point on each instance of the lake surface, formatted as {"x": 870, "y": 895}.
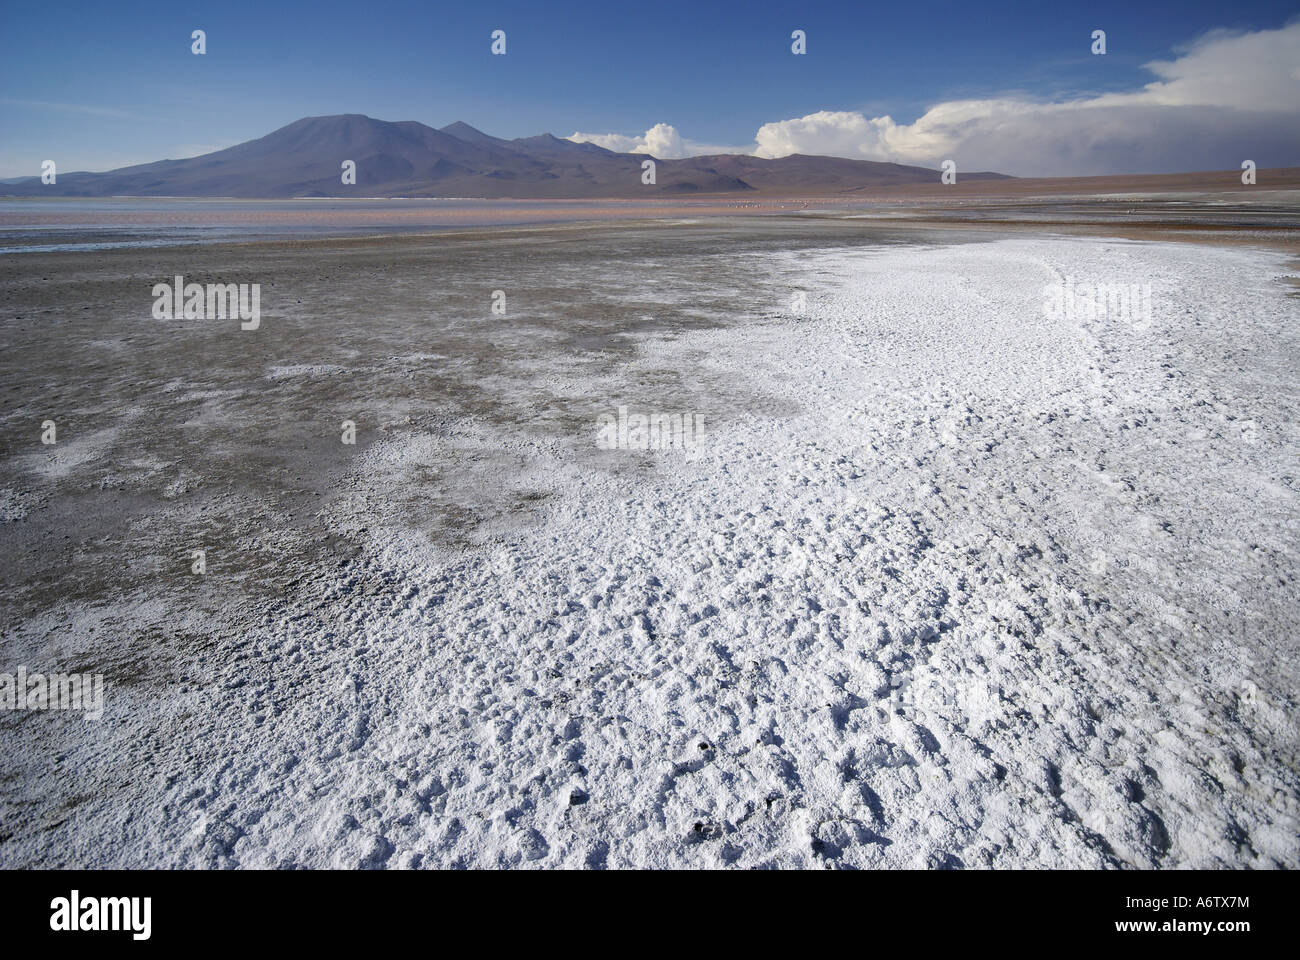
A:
{"x": 95, "y": 224}
{"x": 86, "y": 225}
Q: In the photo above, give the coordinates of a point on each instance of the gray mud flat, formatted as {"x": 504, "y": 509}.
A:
{"x": 183, "y": 434}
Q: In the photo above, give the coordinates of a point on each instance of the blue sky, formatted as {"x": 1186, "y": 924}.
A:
{"x": 98, "y": 85}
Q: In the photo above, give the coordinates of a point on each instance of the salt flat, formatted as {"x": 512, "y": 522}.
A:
{"x": 947, "y": 582}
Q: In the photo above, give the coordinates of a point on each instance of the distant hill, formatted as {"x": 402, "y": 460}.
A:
{"x": 409, "y": 159}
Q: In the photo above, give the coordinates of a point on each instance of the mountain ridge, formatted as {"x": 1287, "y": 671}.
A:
{"x": 304, "y": 159}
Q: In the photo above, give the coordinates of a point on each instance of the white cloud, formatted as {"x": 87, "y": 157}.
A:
{"x": 1249, "y": 71}
{"x": 662, "y": 141}
{"x": 1227, "y": 97}
{"x": 610, "y": 141}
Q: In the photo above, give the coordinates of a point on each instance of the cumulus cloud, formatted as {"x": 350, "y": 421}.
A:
{"x": 610, "y": 141}
{"x": 1228, "y": 97}
{"x": 662, "y": 141}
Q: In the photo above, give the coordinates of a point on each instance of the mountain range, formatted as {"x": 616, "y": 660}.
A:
{"x": 409, "y": 159}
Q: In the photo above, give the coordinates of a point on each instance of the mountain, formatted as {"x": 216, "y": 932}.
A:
{"x": 409, "y": 159}
{"x": 800, "y": 173}
{"x": 463, "y": 131}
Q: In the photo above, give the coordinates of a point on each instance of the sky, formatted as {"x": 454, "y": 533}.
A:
{"x": 1012, "y": 87}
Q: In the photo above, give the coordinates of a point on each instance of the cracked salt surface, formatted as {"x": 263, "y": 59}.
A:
{"x": 963, "y": 586}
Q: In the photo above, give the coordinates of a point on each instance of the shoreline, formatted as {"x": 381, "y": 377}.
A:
{"x": 1281, "y": 237}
